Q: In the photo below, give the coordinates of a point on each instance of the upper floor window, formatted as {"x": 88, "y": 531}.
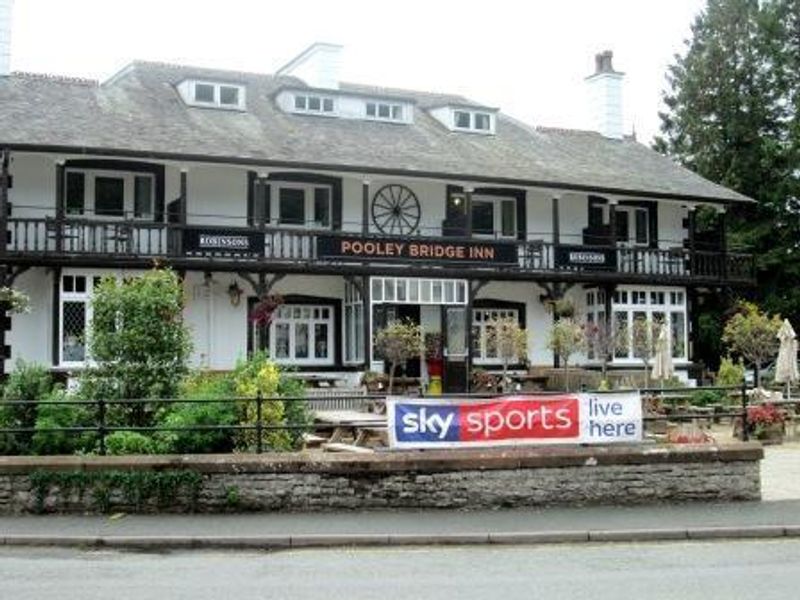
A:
{"x": 384, "y": 111}
{"x": 310, "y": 103}
{"x": 109, "y": 194}
{"x": 214, "y": 95}
{"x": 472, "y": 121}
{"x": 495, "y": 217}
{"x": 633, "y": 225}
{"x": 303, "y": 205}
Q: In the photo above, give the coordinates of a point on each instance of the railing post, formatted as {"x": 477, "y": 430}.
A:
{"x": 745, "y": 434}
{"x": 101, "y": 425}
{"x": 259, "y": 424}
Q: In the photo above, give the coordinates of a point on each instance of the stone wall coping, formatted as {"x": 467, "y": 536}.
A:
{"x": 387, "y": 462}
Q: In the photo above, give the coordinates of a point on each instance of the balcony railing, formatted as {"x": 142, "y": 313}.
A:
{"x": 31, "y": 238}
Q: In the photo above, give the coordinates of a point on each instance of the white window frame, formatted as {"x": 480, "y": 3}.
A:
{"x": 412, "y": 290}
{"x": 308, "y": 204}
{"x": 282, "y": 318}
{"x": 354, "y": 325}
{"x": 497, "y": 227}
{"x": 396, "y": 111}
{"x": 479, "y": 332}
{"x": 305, "y": 109}
{"x": 217, "y": 101}
{"x": 629, "y": 300}
{"x": 473, "y": 120}
{"x": 128, "y": 198}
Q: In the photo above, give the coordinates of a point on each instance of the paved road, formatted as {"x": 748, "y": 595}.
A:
{"x": 732, "y": 570}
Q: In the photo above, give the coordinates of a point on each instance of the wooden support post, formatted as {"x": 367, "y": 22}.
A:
{"x": 723, "y": 242}
{"x": 612, "y": 223}
{"x": 60, "y": 208}
{"x": 556, "y": 222}
{"x": 366, "y": 298}
{"x": 365, "y": 207}
{"x": 4, "y": 179}
{"x": 692, "y": 241}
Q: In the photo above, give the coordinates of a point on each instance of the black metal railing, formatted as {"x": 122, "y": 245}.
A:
{"x": 99, "y": 423}
{"x": 82, "y": 237}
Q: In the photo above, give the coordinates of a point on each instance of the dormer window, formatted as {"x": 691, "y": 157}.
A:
{"x": 213, "y": 95}
{"x": 472, "y": 121}
{"x": 384, "y": 111}
{"x": 310, "y": 103}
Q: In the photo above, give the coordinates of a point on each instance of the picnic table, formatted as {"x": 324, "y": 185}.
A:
{"x": 361, "y": 427}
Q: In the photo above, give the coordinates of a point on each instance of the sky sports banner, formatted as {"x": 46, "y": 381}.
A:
{"x": 515, "y": 420}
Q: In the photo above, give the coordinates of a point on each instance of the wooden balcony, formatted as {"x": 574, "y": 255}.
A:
{"x": 90, "y": 242}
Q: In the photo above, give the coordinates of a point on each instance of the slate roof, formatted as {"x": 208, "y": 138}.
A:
{"x": 139, "y": 111}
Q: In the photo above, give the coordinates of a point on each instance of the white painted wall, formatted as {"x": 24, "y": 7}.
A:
{"x": 31, "y": 334}
{"x": 573, "y": 217}
{"x": 318, "y": 65}
{"x": 217, "y": 195}
{"x": 540, "y": 215}
{"x": 605, "y": 104}
{"x": 34, "y": 191}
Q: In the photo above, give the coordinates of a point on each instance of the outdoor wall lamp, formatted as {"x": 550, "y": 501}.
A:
{"x": 235, "y": 293}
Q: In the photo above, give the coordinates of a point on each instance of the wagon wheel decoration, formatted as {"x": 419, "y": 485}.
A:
{"x": 395, "y": 209}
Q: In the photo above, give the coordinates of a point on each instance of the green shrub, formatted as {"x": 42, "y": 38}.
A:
{"x": 295, "y": 411}
{"x": 29, "y": 383}
{"x": 707, "y": 397}
{"x": 204, "y": 385}
{"x": 52, "y": 416}
{"x": 260, "y": 375}
{"x": 129, "y": 442}
{"x": 730, "y": 373}
{"x": 198, "y": 442}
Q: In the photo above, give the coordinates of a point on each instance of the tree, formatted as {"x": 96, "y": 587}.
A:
{"x": 644, "y": 338}
{"x": 138, "y": 338}
{"x": 733, "y": 116}
{"x": 567, "y": 337}
{"x": 398, "y": 342}
{"x": 753, "y": 335}
{"x": 603, "y": 340}
{"x": 508, "y": 340}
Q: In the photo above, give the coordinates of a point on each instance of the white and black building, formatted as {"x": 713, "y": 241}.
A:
{"x": 356, "y": 204}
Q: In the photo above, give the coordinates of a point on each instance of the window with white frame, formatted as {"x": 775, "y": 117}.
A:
{"x": 410, "y": 290}
{"x": 302, "y": 334}
{"x": 302, "y": 205}
{"x": 494, "y": 216}
{"x": 468, "y": 120}
{"x": 633, "y": 225}
{"x": 650, "y": 305}
{"x": 314, "y": 104}
{"x": 114, "y": 194}
{"x": 353, "y": 324}
{"x": 483, "y": 352}
{"x": 384, "y": 111}
{"x": 214, "y": 94}
{"x": 75, "y": 315}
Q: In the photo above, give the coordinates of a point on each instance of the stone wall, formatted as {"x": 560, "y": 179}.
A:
{"x": 436, "y": 479}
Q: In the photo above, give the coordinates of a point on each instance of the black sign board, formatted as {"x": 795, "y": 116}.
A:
{"x": 413, "y": 251}
{"x": 586, "y": 258}
{"x": 222, "y": 241}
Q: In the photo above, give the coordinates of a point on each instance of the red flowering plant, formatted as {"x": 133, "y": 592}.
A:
{"x": 764, "y": 417}
{"x": 264, "y": 310}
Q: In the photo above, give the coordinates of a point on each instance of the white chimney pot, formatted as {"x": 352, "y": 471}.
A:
{"x": 6, "y": 7}
{"x": 605, "y": 97}
{"x": 318, "y": 66}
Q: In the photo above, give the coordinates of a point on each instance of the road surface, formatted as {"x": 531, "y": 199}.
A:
{"x": 690, "y": 570}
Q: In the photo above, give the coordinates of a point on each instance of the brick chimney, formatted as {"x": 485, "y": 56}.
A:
{"x": 605, "y": 96}
{"x": 6, "y": 7}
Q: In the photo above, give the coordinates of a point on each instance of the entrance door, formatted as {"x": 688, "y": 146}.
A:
{"x": 454, "y": 325}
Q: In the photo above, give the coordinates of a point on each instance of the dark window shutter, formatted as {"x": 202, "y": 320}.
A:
{"x": 522, "y": 218}
{"x": 336, "y": 220}
{"x": 653, "y": 222}
{"x": 251, "y": 195}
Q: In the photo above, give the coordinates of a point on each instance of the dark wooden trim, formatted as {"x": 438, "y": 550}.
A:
{"x": 365, "y": 207}
{"x": 722, "y": 225}
{"x": 56, "y": 318}
{"x": 308, "y": 166}
{"x": 60, "y": 207}
{"x": 184, "y": 197}
{"x": 4, "y": 207}
{"x": 556, "y": 221}
{"x": 366, "y": 297}
{"x": 692, "y": 239}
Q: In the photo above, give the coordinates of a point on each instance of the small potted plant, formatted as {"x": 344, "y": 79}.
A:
{"x": 766, "y": 422}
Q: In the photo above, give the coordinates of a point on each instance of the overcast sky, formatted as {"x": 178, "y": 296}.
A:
{"x": 528, "y": 57}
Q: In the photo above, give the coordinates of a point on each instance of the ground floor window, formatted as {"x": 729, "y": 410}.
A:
{"x": 484, "y": 352}
{"x": 353, "y": 324}
{"x": 302, "y": 334}
{"x": 639, "y": 304}
{"x": 75, "y": 316}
